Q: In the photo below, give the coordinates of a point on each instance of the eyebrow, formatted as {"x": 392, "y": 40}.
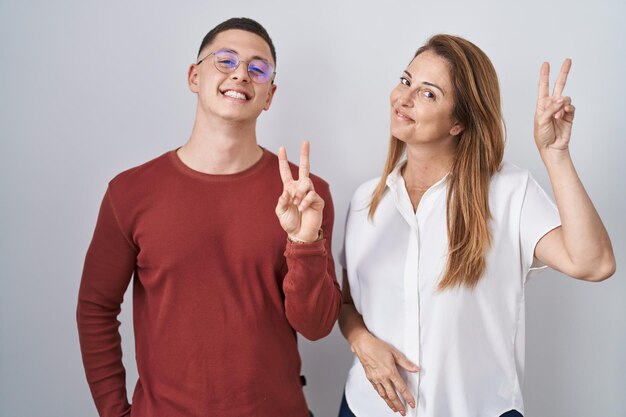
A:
{"x": 426, "y": 83}
{"x": 235, "y": 52}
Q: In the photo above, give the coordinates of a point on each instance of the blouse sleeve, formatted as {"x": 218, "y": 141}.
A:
{"x": 538, "y": 216}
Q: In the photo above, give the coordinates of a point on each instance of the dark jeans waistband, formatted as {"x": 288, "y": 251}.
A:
{"x": 344, "y": 410}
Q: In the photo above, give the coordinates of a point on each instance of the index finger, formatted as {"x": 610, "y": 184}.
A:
{"x": 560, "y": 82}
{"x": 305, "y": 166}
{"x": 544, "y": 80}
{"x": 283, "y": 165}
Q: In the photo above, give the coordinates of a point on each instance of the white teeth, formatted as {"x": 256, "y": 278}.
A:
{"x": 235, "y": 94}
{"x": 402, "y": 116}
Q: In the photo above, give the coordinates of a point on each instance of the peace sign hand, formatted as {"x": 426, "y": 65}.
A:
{"x": 299, "y": 208}
{"x": 555, "y": 114}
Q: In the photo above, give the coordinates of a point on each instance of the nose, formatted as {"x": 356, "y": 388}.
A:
{"x": 405, "y": 98}
{"x": 241, "y": 72}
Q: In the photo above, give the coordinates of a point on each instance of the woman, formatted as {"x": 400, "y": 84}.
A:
{"x": 439, "y": 248}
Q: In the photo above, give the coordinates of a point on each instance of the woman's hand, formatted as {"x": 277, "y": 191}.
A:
{"x": 554, "y": 115}
{"x": 299, "y": 209}
{"x": 581, "y": 247}
{"x": 380, "y": 361}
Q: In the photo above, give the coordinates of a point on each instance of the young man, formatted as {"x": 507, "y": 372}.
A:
{"x": 220, "y": 285}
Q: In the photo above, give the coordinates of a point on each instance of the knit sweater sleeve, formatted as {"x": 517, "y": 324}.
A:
{"x": 312, "y": 295}
{"x": 109, "y": 265}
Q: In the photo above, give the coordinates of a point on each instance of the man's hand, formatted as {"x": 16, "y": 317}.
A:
{"x": 299, "y": 208}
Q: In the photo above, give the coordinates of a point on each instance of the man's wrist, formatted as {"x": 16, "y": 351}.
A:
{"x": 306, "y": 239}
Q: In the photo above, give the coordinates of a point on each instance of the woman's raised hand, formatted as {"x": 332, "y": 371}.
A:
{"x": 554, "y": 115}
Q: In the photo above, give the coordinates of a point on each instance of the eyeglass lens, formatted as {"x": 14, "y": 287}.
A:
{"x": 259, "y": 69}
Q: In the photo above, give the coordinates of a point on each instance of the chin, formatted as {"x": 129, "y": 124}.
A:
{"x": 238, "y": 116}
{"x": 400, "y": 135}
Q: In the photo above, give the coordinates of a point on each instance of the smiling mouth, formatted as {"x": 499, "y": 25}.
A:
{"x": 403, "y": 116}
{"x": 238, "y": 95}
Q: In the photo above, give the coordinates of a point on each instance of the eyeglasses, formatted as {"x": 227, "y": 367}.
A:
{"x": 227, "y": 61}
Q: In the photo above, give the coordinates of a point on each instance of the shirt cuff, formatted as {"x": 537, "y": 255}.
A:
{"x": 303, "y": 249}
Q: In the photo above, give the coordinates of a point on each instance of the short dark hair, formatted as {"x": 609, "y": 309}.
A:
{"x": 240, "y": 23}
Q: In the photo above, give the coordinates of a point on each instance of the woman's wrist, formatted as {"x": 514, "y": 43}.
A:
{"x": 358, "y": 337}
{"x": 552, "y": 156}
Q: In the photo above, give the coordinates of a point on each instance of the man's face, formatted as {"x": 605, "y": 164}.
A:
{"x": 232, "y": 96}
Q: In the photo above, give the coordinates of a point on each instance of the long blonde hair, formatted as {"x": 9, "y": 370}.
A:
{"x": 478, "y": 156}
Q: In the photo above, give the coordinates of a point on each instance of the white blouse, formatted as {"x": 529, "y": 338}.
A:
{"x": 469, "y": 343}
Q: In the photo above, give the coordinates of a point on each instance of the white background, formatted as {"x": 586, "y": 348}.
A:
{"x": 88, "y": 89}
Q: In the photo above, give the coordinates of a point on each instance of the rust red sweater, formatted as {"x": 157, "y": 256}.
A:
{"x": 218, "y": 293}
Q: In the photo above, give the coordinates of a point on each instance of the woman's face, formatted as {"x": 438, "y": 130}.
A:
{"x": 422, "y": 103}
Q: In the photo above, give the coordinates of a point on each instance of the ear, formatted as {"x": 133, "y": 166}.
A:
{"x": 457, "y": 129}
{"x": 270, "y": 96}
{"x": 192, "y": 78}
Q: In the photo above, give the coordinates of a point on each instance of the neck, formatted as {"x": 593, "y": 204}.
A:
{"x": 220, "y": 147}
{"x": 428, "y": 163}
